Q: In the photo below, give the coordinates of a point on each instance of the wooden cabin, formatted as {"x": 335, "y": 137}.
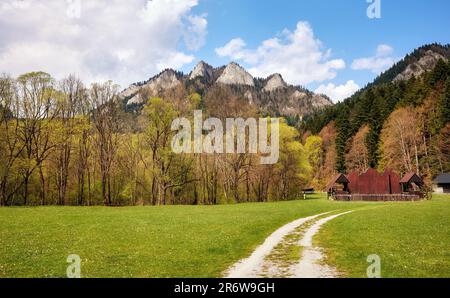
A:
{"x": 411, "y": 183}
{"x": 374, "y": 186}
{"x": 337, "y": 186}
{"x": 441, "y": 184}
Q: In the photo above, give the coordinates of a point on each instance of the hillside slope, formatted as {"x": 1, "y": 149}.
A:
{"x": 416, "y": 89}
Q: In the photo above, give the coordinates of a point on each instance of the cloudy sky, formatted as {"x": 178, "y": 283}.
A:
{"x": 331, "y": 47}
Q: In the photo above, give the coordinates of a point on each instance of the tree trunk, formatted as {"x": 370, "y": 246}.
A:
{"x": 417, "y": 158}
{"x": 89, "y": 188}
{"x": 25, "y": 194}
{"x": 104, "y": 194}
{"x": 41, "y": 175}
{"x": 109, "y": 190}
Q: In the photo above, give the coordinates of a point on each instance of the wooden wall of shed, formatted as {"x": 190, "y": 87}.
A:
{"x": 372, "y": 182}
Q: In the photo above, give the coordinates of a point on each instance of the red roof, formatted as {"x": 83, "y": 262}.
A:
{"x": 339, "y": 178}
{"x": 411, "y": 177}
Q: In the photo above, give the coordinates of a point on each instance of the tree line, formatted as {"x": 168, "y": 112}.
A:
{"x": 404, "y": 126}
{"x": 62, "y": 143}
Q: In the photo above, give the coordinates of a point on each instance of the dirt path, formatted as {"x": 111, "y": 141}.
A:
{"x": 252, "y": 266}
{"x": 257, "y": 265}
{"x": 311, "y": 263}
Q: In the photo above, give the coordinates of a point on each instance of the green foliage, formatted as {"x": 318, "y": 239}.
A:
{"x": 315, "y": 154}
{"x": 374, "y": 104}
{"x": 314, "y": 151}
{"x": 195, "y": 100}
{"x": 39, "y": 76}
{"x": 444, "y": 104}
{"x": 293, "y": 168}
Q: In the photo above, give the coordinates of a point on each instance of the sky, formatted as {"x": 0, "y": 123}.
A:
{"x": 328, "y": 46}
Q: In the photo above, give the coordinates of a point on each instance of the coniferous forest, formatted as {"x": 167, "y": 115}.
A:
{"x": 404, "y": 125}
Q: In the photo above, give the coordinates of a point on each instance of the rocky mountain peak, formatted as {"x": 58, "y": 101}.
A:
{"x": 165, "y": 80}
{"x": 289, "y": 100}
{"x": 202, "y": 69}
{"x": 165, "y": 76}
{"x": 426, "y": 63}
{"x": 130, "y": 91}
{"x": 234, "y": 74}
{"x": 274, "y": 82}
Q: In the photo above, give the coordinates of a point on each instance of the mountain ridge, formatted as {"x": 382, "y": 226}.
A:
{"x": 271, "y": 95}
{"x": 399, "y": 67}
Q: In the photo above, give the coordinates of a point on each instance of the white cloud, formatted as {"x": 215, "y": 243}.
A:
{"x": 381, "y": 61}
{"x": 384, "y": 50}
{"x": 234, "y": 48}
{"x": 195, "y": 35}
{"x": 175, "y": 61}
{"x": 297, "y": 55}
{"x": 338, "y": 93}
{"x": 126, "y": 41}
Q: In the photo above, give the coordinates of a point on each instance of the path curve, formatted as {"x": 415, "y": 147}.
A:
{"x": 251, "y": 266}
{"x": 311, "y": 265}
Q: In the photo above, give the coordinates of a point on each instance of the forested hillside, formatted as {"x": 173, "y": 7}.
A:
{"x": 392, "y": 123}
{"x": 64, "y": 143}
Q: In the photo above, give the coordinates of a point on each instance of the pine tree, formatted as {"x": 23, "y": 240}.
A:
{"x": 444, "y": 104}
{"x": 343, "y": 131}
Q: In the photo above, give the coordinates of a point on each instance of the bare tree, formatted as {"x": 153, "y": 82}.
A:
{"x": 10, "y": 146}
{"x": 37, "y": 110}
{"x": 400, "y": 141}
{"x": 106, "y": 122}
{"x": 70, "y": 105}
{"x": 357, "y": 158}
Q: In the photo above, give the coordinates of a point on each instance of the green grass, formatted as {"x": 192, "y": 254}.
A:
{"x": 202, "y": 241}
{"x": 171, "y": 241}
{"x": 412, "y": 239}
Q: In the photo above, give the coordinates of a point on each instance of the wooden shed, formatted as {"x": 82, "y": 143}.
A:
{"x": 374, "y": 186}
{"x": 441, "y": 184}
{"x": 338, "y": 185}
{"x": 373, "y": 182}
{"x": 411, "y": 182}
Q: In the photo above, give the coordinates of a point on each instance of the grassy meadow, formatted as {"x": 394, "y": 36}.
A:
{"x": 413, "y": 239}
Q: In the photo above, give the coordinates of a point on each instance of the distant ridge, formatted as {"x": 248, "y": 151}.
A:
{"x": 272, "y": 95}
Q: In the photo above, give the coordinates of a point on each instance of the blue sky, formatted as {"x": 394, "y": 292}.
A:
{"x": 328, "y": 46}
{"x": 342, "y": 26}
